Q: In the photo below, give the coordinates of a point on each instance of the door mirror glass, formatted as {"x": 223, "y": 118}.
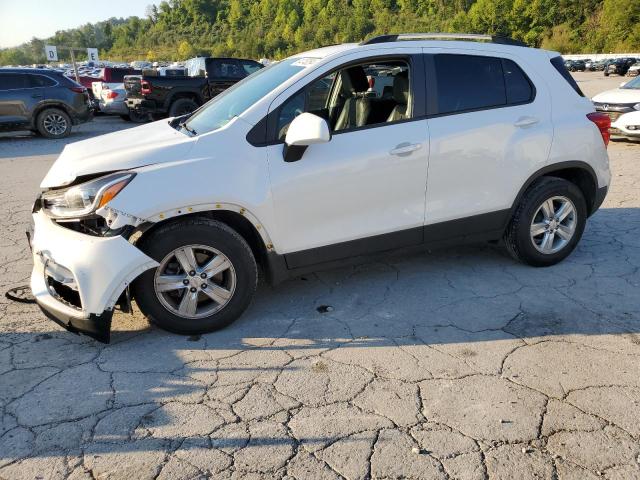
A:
{"x": 307, "y": 129}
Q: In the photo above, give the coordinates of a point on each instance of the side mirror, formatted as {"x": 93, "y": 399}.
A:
{"x": 306, "y": 129}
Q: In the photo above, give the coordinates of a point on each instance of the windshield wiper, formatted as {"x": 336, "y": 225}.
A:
{"x": 188, "y": 129}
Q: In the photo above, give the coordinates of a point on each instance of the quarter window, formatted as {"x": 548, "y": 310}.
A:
{"x": 470, "y": 82}
{"x": 518, "y": 87}
{"x": 41, "y": 81}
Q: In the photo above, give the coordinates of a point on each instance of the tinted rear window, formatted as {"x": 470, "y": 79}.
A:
{"x": 41, "y": 81}
{"x": 519, "y": 89}
{"x": 562, "y": 70}
{"x": 468, "y": 82}
{"x": 12, "y": 81}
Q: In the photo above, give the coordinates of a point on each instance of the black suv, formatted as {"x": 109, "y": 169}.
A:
{"x": 41, "y": 100}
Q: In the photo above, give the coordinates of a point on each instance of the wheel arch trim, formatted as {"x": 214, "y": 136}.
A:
{"x": 557, "y": 167}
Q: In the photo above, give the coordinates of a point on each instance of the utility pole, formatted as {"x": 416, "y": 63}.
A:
{"x": 72, "y": 51}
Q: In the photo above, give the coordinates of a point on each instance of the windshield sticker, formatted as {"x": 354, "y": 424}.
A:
{"x": 305, "y": 62}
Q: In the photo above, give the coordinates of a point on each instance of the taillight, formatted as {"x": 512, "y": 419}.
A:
{"x": 603, "y": 122}
{"x": 145, "y": 87}
{"x": 372, "y": 82}
{"x": 77, "y": 89}
{"x": 112, "y": 94}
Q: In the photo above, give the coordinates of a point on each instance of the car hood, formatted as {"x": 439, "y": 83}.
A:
{"x": 153, "y": 143}
{"x": 618, "y": 95}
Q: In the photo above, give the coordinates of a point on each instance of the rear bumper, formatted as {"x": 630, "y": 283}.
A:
{"x": 77, "y": 279}
{"x": 113, "y": 108}
{"x": 143, "y": 106}
{"x": 601, "y": 194}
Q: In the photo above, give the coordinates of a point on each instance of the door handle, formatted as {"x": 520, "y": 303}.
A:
{"x": 524, "y": 122}
{"x": 405, "y": 148}
{"x": 36, "y": 95}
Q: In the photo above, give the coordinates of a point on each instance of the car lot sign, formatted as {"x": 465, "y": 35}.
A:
{"x": 51, "y": 52}
{"x": 93, "y": 54}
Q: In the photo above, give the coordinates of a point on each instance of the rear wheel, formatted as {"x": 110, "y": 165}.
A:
{"x": 548, "y": 223}
{"x": 136, "y": 117}
{"x": 205, "y": 280}
{"x": 53, "y": 123}
{"x": 182, "y": 106}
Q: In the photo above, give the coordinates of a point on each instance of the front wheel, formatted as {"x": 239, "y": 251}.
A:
{"x": 206, "y": 278}
{"x": 548, "y": 222}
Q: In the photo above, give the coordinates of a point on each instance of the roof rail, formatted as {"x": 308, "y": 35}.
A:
{"x": 444, "y": 36}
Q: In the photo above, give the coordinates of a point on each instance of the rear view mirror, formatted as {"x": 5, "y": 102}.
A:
{"x": 306, "y": 129}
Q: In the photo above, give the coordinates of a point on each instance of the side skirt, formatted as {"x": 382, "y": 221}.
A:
{"x": 474, "y": 229}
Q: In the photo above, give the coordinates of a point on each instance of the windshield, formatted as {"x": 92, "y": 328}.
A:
{"x": 231, "y": 103}
{"x": 633, "y": 84}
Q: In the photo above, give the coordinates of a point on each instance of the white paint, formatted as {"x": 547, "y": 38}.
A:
{"x": 354, "y": 185}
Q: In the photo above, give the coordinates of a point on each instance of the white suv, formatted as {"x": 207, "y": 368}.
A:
{"x": 302, "y": 165}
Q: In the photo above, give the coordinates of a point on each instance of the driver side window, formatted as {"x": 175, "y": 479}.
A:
{"x": 354, "y": 97}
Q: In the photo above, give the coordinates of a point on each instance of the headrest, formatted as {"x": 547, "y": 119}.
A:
{"x": 354, "y": 80}
{"x": 401, "y": 89}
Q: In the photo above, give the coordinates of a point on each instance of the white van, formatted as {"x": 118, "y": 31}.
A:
{"x": 297, "y": 168}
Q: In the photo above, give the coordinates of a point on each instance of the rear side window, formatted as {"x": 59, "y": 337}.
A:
{"x": 250, "y": 67}
{"x": 13, "y": 81}
{"x": 227, "y": 69}
{"x": 41, "y": 81}
{"x": 519, "y": 89}
{"x": 468, "y": 82}
{"x": 562, "y": 70}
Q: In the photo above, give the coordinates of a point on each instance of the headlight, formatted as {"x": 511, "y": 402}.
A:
{"x": 636, "y": 106}
{"x": 81, "y": 200}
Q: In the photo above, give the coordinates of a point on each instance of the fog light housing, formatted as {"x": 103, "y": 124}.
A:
{"x": 60, "y": 274}
{"x": 633, "y": 127}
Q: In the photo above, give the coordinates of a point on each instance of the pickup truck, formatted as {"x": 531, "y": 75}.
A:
{"x": 178, "y": 95}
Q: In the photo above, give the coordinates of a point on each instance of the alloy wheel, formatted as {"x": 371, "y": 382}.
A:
{"x": 195, "y": 281}
{"x": 553, "y": 225}
{"x": 55, "y": 124}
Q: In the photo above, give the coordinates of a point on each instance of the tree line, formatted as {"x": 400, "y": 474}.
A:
{"x": 180, "y": 29}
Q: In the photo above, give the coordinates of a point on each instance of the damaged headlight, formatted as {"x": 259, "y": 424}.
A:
{"x": 86, "y": 198}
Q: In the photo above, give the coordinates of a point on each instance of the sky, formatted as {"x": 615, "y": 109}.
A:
{"x": 21, "y": 20}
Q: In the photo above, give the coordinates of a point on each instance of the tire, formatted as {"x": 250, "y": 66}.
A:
{"x": 532, "y": 250}
{"x": 182, "y": 106}
{"x": 126, "y": 118}
{"x": 606, "y": 74}
{"x": 53, "y": 123}
{"x": 136, "y": 117}
{"x": 164, "y": 308}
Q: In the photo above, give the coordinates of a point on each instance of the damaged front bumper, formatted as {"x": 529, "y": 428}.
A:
{"x": 78, "y": 278}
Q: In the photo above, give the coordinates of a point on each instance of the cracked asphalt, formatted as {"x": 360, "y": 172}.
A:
{"x": 458, "y": 363}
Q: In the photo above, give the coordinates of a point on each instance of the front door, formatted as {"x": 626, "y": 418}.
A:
{"x": 364, "y": 190}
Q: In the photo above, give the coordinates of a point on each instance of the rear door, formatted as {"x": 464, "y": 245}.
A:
{"x": 18, "y": 97}
{"x": 490, "y": 128}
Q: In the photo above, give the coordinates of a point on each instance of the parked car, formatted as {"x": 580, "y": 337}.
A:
{"x": 599, "y": 66}
{"x": 634, "y": 70}
{"x": 184, "y": 211}
{"x": 575, "y": 65}
{"x": 621, "y": 100}
{"x": 43, "y": 101}
{"x": 178, "y": 95}
{"x": 619, "y": 66}
{"x": 110, "y": 94}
